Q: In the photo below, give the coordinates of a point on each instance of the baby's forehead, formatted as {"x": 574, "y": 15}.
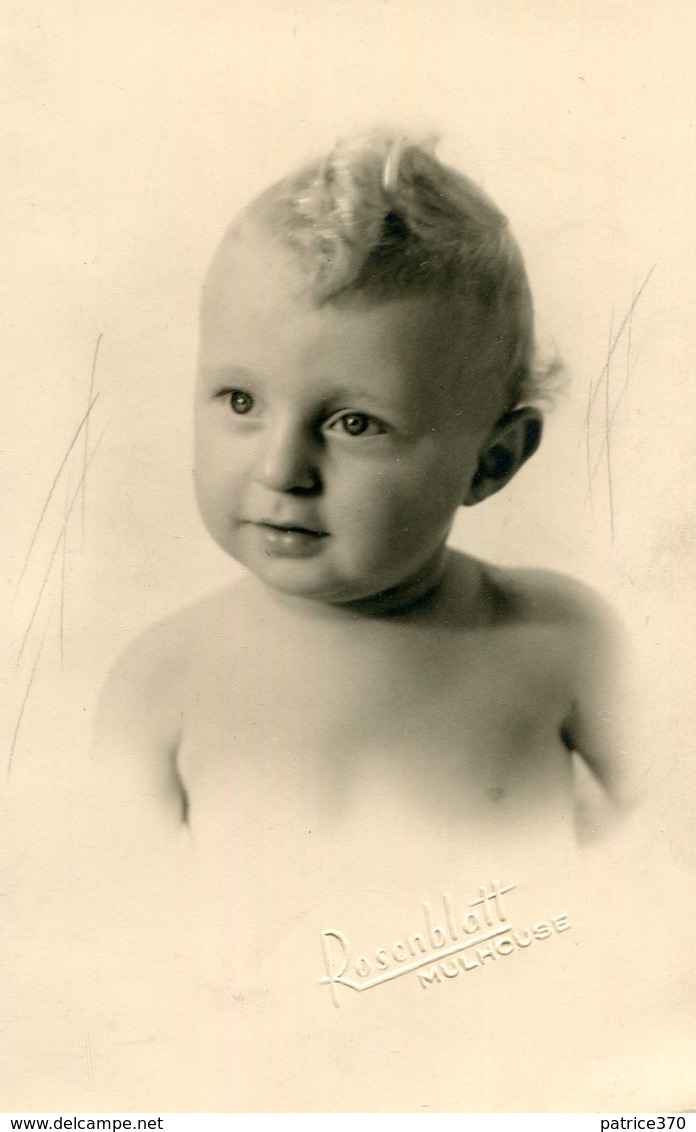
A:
{"x": 256, "y": 282}
{"x": 249, "y": 263}
{"x": 255, "y": 266}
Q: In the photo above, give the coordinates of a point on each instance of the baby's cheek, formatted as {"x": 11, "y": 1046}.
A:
{"x": 215, "y": 496}
{"x": 421, "y": 500}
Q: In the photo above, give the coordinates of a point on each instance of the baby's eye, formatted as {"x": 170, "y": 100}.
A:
{"x": 357, "y": 424}
{"x": 240, "y": 402}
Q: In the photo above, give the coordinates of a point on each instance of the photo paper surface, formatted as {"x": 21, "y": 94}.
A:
{"x": 382, "y": 950}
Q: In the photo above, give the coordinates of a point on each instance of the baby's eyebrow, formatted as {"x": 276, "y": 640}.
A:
{"x": 226, "y": 373}
{"x": 350, "y": 394}
{"x": 343, "y": 395}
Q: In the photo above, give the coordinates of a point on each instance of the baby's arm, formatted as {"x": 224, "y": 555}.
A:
{"x": 137, "y": 731}
{"x": 596, "y": 727}
{"x": 137, "y": 860}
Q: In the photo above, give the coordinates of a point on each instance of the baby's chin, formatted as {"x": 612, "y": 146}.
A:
{"x": 321, "y": 583}
{"x": 332, "y": 595}
{"x": 351, "y": 598}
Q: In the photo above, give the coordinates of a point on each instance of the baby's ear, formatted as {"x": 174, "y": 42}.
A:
{"x": 513, "y": 440}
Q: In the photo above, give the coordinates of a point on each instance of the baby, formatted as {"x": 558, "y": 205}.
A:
{"x": 366, "y": 368}
{"x": 368, "y": 718}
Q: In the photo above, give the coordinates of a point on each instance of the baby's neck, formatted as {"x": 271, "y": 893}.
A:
{"x": 422, "y": 598}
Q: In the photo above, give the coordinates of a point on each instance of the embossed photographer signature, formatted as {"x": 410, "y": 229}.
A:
{"x": 456, "y": 943}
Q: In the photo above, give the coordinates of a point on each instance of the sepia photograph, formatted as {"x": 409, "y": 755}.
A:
{"x": 348, "y": 558}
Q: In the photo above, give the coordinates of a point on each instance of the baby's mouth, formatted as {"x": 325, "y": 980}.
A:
{"x": 291, "y": 528}
{"x": 289, "y": 540}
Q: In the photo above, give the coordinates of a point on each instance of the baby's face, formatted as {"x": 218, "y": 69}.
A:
{"x": 333, "y": 445}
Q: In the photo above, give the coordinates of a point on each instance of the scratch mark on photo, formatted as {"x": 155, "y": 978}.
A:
{"x": 629, "y": 350}
{"x": 56, "y": 547}
{"x": 85, "y": 448}
{"x": 64, "y": 554}
{"x": 603, "y": 381}
{"x": 617, "y": 406}
{"x": 624, "y": 323}
{"x": 608, "y": 420}
{"x": 30, "y": 681}
{"x": 588, "y": 446}
{"x": 44, "y": 509}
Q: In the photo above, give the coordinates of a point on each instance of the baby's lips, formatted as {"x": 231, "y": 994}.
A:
{"x": 290, "y": 525}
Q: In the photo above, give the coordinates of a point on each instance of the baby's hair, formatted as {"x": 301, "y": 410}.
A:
{"x": 382, "y": 216}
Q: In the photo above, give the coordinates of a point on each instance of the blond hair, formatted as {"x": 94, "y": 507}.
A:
{"x": 382, "y": 216}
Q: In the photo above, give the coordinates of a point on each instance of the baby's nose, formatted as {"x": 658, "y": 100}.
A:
{"x": 288, "y": 459}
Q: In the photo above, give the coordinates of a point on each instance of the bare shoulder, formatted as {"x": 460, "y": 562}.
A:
{"x": 597, "y": 661}
{"x": 145, "y": 686}
{"x": 585, "y": 625}
{"x": 588, "y": 630}
{"x": 139, "y": 715}
{"x": 547, "y": 597}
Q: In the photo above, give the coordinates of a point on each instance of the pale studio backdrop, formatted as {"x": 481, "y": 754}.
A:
{"x": 134, "y": 133}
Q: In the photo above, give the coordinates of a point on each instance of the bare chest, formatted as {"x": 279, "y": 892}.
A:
{"x": 433, "y": 722}
{"x": 341, "y": 787}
